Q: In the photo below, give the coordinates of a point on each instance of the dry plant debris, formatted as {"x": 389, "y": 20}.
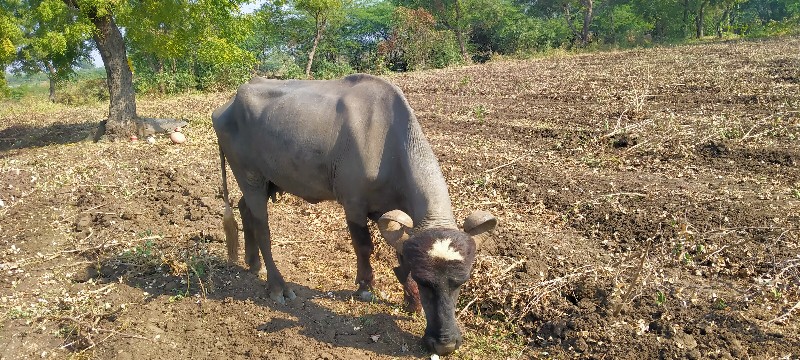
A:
{"x": 648, "y": 201}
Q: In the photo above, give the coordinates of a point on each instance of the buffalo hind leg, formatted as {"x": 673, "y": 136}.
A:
{"x": 257, "y": 204}
{"x": 362, "y": 244}
{"x": 251, "y": 252}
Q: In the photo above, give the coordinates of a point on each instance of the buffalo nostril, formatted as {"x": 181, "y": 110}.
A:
{"x": 442, "y": 347}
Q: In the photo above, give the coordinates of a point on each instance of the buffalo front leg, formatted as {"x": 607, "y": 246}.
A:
{"x": 362, "y": 244}
{"x": 278, "y": 290}
{"x": 251, "y": 248}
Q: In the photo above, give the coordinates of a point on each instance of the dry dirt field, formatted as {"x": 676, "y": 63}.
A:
{"x": 649, "y": 203}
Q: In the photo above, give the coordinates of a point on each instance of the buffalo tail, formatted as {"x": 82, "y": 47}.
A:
{"x": 228, "y": 221}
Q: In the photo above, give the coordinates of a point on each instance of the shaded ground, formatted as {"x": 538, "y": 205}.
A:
{"x": 648, "y": 202}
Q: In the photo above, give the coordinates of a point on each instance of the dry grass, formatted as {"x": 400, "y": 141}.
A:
{"x": 624, "y": 190}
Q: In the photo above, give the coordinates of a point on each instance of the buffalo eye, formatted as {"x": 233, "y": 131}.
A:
{"x": 425, "y": 283}
{"x": 455, "y": 283}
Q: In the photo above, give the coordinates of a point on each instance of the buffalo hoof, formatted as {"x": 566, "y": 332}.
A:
{"x": 280, "y": 296}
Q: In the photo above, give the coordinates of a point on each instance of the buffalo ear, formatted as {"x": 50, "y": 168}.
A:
{"x": 479, "y": 225}
{"x": 394, "y": 226}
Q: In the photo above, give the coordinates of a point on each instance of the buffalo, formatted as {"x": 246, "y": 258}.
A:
{"x": 356, "y": 141}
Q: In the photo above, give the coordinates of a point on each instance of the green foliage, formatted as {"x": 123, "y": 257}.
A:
{"x": 10, "y": 33}
{"x": 480, "y": 113}
{"x": 325, "y": 69}
{"x": 55, "y": 39}
{"x": 623, "y": 25}
{"x": 183, "y": 45}
{"x": 178, "y": 45}
{"x": 661, "y": 298}
{"x": 82, "y": 92}
{"x": 320, "y": 8}
{"x": 10, "y": 38}
{"x": 502, "y": 27}
{"x": 416, "y": 44}
{"x": 222, "y": 64}
{"x": 366, "y": 24}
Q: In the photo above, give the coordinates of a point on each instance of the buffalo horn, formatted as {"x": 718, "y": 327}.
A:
{"x": 393, "y": 226}
{"x": 479, "y": 225}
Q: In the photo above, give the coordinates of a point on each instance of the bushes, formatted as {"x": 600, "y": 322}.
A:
{"x": 416, "y": 44}
{"x": 222, "y": 64}
{"x": 621, "y": 25}
{"x": 280, "y": 65}
{"x": 325, "y": 69}
{"x": 82, "y": 92}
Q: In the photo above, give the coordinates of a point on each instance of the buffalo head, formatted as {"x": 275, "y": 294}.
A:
{"x": 433, "y": 264}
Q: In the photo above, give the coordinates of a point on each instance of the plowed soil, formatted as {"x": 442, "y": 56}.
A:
{"x": 649, "y": 207}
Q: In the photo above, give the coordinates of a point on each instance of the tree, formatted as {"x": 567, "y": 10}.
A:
{"x": 323, "y": 12}
{"x": 111, "y": 45}
{"x": 726, "y": 6}
{"x": 158, "y": 39}
{"x": 451, "y": 15}
{"x": 367, "y": 24}
{"x": 587, "y": 8}
{"x": 500, "y": 27}
{"x": 621, "y": 22}
{"x": 55, "y": 41}
{"x": 700, "y": 17}
{"x": 10, "y": 38}
{"x": 275, "y": 40}
{"x": 569, "y": 9}
{"x": 178, "y": 44}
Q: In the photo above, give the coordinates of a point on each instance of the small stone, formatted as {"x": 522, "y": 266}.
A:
{"x": 366, "y": 296}
{"x": 207, "y": 201}
{"x": 195, "y": 214}
{"x": 685, "y": 341}
{"x": 581, "y": 346}
{"x": 172, "y": 285}
{"x": 83, "y": 222}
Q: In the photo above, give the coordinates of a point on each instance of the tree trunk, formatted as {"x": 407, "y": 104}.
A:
{"x": 320, "y": 29}
{"x": 722, "y": 19}
{"x": 51, "y": 76}
{"x": 568, "y": 18}
{"x": 122, "y": 111}
{"x": 162, "y": 86}
{"x": 700, "y": 20}
{"x": 660, "y": 29}
{"x": 685, "y": 18}
{"x": 588, "y": 14}
{"x": 108, "y": 38}
{"x": 460, "y": 33}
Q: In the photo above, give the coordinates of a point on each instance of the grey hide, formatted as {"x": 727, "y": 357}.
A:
{"x": 355, "y": 141}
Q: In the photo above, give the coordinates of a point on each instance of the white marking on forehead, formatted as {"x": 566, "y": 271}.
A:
{"x": 441, "y": 249}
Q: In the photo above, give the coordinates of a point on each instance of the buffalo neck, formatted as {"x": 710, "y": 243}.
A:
{"x": 429, "y": 204}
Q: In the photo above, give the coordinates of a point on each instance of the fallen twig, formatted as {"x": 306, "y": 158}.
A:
{"x": 506, "y": 164}
{"x": 628, "y": 294}
{"x": 785, "y": 315}
{"x": 464, "y": 309}
{"x": 286, "y": 242}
